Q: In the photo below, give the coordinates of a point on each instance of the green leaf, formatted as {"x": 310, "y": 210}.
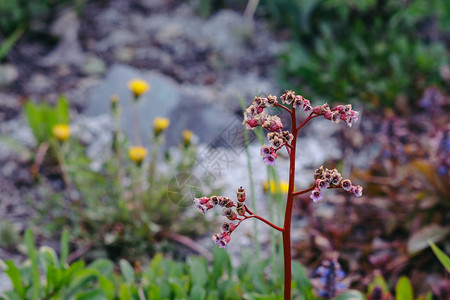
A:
{"x": 107, "y": 286}
{"x": 127, "y": 271}
{"x": 29, "y": 241}
{"x": 80, "y": 281}
{"x": 403, "y": 289}
{"x": 351, "y": 295}
{"x": 14, "y": 275}
{"x": 198, "y": 293}
{"x": 301, "y": 279}
{"x": 96, "y": 294}
{"x": 221, "y": 262}
{"x": 10, "y": 41}
{"x": 443, "y": 258}
{"x": 378, "y": 281}
{"x": 103, "y": 266}
{"x": 64, "y": 248}
{"x": 62, "y": 111}
{"x": 125, "y": 293}
{"x": 198, "y": 271}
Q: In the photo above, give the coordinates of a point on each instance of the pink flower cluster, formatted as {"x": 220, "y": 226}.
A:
{"x": 340, "y": 112}
{"x": 332, "y": 179}
{"x": 289, "y": 97}
{"x": 255, "y": 116}
{"x": 231, "y": 210}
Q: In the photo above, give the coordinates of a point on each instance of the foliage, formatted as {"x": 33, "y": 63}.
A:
{"x": 371, "y": 50}
{"x": 121, "y": 209}
{"x": 45, "y": 275}
{"x": 17, "y": 13}
{"x": 42, "y": 118}
{"x": 443, "y": 258}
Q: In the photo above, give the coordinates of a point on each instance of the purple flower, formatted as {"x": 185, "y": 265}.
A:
{"x": 346, "y": 184}
{"x": 357, "y": 190}
{"x": 316, "y": 195}
{"x": 270, "y": 160}
{"x": 221, "y": 239}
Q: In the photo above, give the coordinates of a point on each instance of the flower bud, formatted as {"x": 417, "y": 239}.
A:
{"x": 240, "y": 194}
{"x": 61, "y": 132}
{"x": 230, "y": 214}
{"x": 240, "y": 208}
{"x": 160, "y": 124}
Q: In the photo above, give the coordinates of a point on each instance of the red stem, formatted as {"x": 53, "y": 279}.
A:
{"x": 283, "y": 107}
{"x": 304, "y": 191}
{"x": 265, "y": 221}
{"x": 306, "y": 121}
{"x": 288, "y": 214}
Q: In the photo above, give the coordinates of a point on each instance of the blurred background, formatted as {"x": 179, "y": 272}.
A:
{"x": 119, "y": 172}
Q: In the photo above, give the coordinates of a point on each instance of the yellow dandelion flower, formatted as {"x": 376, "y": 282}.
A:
{"x": 187, "y": 136}
{"x": 61, "y": 132}
{"x": 137, "y": 154}
{"x": 283, "y": 187}
{"x": 160, "y": 124}
{"x": 138, "y": 87}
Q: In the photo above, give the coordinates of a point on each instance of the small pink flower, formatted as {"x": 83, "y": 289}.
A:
{"x": 357, "y": 190}
{"x": 203, "y": 204}
{"x": 228, "y": 227}
{"x": 346, "y": 185}
{"x": 316, "y": 195}
{"x": 327, "y": 115}
{"x": 322, "y": 184}
{"x": 306, "y": 105}
{"x": 270, "y": 160}
{"x": 265, "y": 151}
{"x": 221, "y": 239}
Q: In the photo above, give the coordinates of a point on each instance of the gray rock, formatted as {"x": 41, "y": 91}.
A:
{"x": 8, "y": 74}
{"x": 93, "y": 66}
{"x": 68, "y": 50}
{"x": 165, "y": 99}
{"x": 5, "y": 283}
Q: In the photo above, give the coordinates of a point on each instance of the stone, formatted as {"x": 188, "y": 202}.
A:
{"x": 93, "y": 66}
{"x": 8, "y": 74}
{"x": 68, "y": 51}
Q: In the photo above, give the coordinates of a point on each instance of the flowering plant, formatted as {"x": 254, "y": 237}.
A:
{"x": 279, "y": 139}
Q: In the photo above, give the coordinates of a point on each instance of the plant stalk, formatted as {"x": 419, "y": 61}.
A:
{"x": 288, "y": 214}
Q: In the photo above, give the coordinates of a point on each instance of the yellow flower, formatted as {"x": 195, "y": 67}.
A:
{"x": 61, "y": 132}
{"x": 138, "y": 87}
{"x": 137, "y": 154}
{"x": 160, "y": 124}
{"x": 283, "y": 187}
{"x": 187, "y": 136}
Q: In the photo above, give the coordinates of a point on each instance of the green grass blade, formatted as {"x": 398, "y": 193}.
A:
{"x": 443, "y": 258}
